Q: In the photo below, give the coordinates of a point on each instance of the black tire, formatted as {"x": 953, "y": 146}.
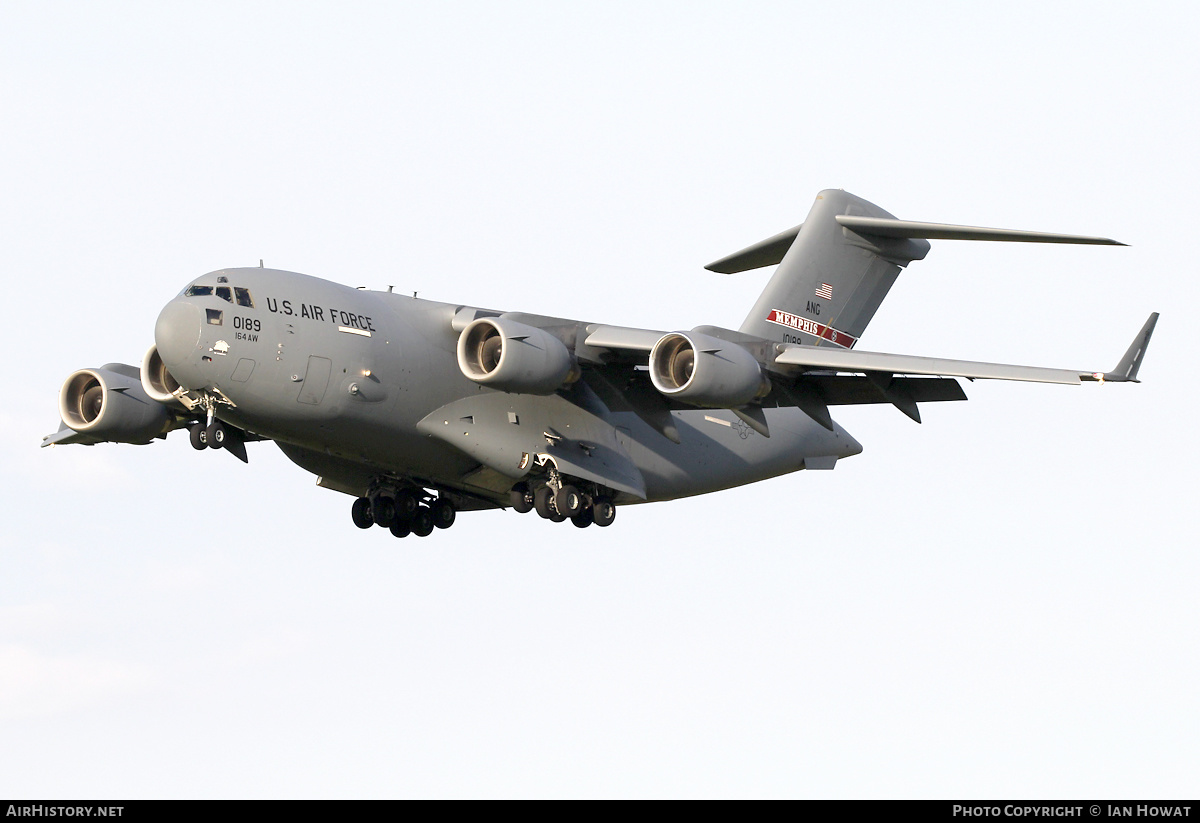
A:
{"x": 443, "y": 514}
{"x": 400, "y": 528}
{"x": 569, "y": 501}
{"x": 422, "y": 522}
{"x": 216, "y": 435}
{"x": 520, "y": 499}
{"x": 360, "y": 512}
{"x": 199, "y": 437}
{"x": 383, "y": 510}
{"x": 603, "y": 512}
{"x": 543, "y": 504}
{"x": 583, "y": 519}
{"x": 406, "y": 504}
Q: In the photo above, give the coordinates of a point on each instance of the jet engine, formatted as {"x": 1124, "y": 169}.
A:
{"x": 157, "y": 382}
{"x": 109, "y": 404}
{"x": 513, "y": 357}
{"x": 704, "y": 371}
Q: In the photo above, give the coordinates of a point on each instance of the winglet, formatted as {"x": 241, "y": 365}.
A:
{"x": 1126, "y": 371}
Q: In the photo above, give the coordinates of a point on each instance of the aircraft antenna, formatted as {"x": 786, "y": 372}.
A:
{"x": 260, "y": 265}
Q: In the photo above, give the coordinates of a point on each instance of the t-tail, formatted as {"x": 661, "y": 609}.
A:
{"x": 836, "y": 268}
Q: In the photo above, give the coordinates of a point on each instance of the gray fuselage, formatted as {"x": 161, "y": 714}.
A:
{"x": 353, "y": 384}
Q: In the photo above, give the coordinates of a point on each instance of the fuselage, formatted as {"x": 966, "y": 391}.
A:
{"x": 353, "y": 384}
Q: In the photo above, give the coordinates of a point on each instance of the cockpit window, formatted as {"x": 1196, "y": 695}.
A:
{"x": 214, "y": 317}
{"x": 198, "y": 291}
{"x": 225, "y": 293}
{"x": 243, "y": 297}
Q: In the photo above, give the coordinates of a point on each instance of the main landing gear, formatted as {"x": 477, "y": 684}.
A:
{"x": 557, "y": 501}
{"x": 404, "y": 511}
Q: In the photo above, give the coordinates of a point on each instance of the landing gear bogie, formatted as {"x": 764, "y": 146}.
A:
{"x": 557, "y": 500}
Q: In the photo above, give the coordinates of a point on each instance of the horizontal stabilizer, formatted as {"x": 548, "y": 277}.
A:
{"x": 763, "y": 253}
{"x": 885, "y": 227}
{"x": 771, "y": 251}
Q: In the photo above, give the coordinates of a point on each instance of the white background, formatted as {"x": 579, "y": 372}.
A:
{"x": 1000, "y": 602}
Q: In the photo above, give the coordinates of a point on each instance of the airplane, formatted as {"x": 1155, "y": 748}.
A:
{"x": 420, "y": 410}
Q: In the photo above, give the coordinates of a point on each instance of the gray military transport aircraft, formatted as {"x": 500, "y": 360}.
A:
{"x": 419, "y": 410}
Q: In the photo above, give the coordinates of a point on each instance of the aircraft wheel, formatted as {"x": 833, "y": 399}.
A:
{"x": 383, "y": 510}
{"x": 568, "y": 501}
{"x": 216, "y": 435}
{"x": 443, "y": 514}
{"x": 400, "y": 528}
{"x": 406, "y": 504}
{"x": 360, "y": 512}
{"x": 583, "y": 519}
{"x": 422, "y": 522}
{"x": 543, "y": 503}
{"x": 603, "y": 512}
{"x": 520, "y": 499}
{"x": 199, "y": 437}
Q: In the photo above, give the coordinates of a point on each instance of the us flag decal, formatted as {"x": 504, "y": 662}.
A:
{"x": 825, "y": 291}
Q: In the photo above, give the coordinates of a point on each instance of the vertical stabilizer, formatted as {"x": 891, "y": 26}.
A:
{"x": 831, "y": 279}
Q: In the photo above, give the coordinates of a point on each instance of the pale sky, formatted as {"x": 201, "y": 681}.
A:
{"x": 1000, "y": 602}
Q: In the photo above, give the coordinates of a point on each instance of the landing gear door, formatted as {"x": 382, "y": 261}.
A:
{"x": 316, "y": 380}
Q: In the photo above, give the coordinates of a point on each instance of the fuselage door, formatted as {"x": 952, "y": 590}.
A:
{"x": 316, "y": 380}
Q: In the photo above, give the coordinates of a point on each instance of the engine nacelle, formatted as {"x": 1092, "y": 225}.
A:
{"x": 705, "y": 371}
{"x": 109, "y": 404}
{"x": 513, "y": 357}
{"x": 157, "y": 382}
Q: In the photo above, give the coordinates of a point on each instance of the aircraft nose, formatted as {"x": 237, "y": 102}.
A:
{"x": 177, "y": 332}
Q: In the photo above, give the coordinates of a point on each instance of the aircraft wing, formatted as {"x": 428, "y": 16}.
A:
{"x": 813, "y": 378}
{"x": 823, "y": 358}
{"x": 820, "y": 358}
